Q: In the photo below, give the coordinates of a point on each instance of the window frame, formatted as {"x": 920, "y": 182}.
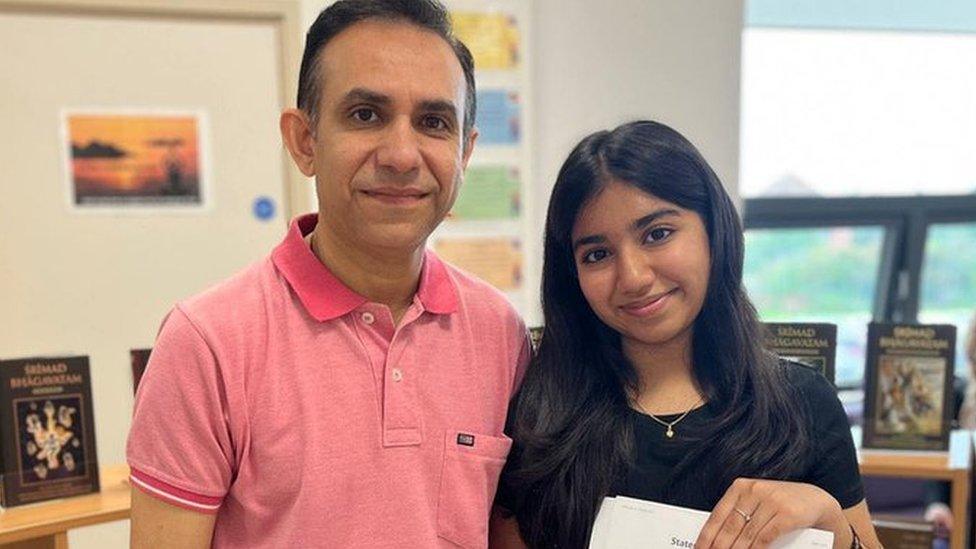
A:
{"x": 905, "y": 219}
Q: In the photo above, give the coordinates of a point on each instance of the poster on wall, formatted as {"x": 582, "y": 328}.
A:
{"x": 127, "y": 159}
{"x": 493, "y": 38}
{"x": 498, "y": 119}
{"x": 489, "y": 192}
{"x": 496, "y": 260}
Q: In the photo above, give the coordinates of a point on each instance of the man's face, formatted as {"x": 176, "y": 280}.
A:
{"x": 389, "y": 152}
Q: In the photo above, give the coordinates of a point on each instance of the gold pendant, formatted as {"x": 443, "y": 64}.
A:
{"x": 670, "y": 433}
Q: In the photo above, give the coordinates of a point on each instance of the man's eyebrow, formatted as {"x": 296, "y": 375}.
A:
{"x": 441, "y": 106}
{"x": 654, "y": 216}
{"x": 364, "y": 95}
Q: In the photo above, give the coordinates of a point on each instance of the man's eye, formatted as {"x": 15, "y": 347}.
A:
{"x": 364, "y": 115}
{"x": 594, "y": 256}
{"x": 435, "y": 123}
{"x": 657, "y": 234}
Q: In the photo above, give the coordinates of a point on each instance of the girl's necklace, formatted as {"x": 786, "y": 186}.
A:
{"x": 670, "y": 424}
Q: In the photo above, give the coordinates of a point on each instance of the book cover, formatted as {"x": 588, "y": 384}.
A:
{"x": 810, "y": 344}
{"x": 47, "y": 430}
{"x": 535, "y": 337}
{"x": 908, "y": 386}
{"x": 139, "y": 359}
{"x": 901, "y": 533}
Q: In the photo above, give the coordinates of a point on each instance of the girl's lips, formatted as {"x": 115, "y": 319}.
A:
{"x": 649, "y": 308}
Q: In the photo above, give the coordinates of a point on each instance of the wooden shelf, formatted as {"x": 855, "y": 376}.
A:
{"x": 46, "y": 521}
{"x": 952, "y": 466}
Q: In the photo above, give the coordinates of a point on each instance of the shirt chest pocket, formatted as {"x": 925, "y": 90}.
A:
{"x": 469, "y": 478}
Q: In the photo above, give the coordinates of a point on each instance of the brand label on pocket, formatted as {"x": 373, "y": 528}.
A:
{"x": 465, "y": 439}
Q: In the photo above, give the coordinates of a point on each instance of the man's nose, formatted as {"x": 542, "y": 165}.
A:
{"x": 399, "y": 150}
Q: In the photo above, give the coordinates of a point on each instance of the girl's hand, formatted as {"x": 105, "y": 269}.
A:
{"x": 755, "y": 512}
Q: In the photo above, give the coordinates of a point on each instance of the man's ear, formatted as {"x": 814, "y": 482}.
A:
{"x": 468, "y": 147}
{"x": 296, "y": 133}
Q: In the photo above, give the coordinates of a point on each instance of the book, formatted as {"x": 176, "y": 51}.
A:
{"x": 628, "y": 523}
{"x": 901, "y": 533}
{"x": 810, "y": 344}
{"x": 908, "y": 386}
{"x": 47, "y": 430}
{"x": 535, "y": 337}
{"x": 139, "y": 359}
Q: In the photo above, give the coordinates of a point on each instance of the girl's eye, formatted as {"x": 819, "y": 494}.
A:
{"x": 594, "y": 256}
{"x": 364, "y": 114}
{"x": 658, "y": 234}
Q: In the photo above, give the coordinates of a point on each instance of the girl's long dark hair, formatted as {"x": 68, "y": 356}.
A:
{"x": 570, "y": 421}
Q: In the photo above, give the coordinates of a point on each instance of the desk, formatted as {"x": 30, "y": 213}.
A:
{"x": 952, "y": 467}
{"x": 45, "y": 525}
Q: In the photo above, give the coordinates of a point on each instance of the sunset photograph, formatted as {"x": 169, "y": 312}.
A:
{"x": 134, "y": 159}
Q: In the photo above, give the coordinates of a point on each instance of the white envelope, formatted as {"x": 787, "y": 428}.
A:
{"x": 628, "y": 523}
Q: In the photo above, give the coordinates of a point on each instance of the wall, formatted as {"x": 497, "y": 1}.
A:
{"x": 598, "y": 64}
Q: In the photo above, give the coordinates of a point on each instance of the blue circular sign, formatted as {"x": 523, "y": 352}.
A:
{"x": 264, "y": 208}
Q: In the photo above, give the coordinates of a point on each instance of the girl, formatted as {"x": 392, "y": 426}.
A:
{"x": 651, "y": 381}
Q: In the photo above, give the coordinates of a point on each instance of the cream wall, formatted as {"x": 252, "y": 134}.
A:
{"x": 598, "y": 64}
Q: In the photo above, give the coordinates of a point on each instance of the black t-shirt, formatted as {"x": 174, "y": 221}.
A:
{"x": 832, "y": 463}
{"x": 832, "y": 467}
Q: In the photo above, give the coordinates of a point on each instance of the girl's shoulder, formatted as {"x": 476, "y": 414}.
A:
{"x": 809, "y": 381}
{"x": 817, "y": 393}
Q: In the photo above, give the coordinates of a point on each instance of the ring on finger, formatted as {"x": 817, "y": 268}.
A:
{"x": 745, "y": 516}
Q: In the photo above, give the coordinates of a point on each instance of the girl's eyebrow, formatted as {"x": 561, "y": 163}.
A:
{"x": 654, "y": 216}
{"x": 636, "y": 226}
{"x": 589, "y": 239}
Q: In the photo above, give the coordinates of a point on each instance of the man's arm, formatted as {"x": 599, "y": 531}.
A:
{"x": 156, "y": 524}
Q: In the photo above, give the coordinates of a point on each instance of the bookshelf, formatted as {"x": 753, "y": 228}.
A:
{"x": 45, "y": 525}
{"x": 953, "y": 467}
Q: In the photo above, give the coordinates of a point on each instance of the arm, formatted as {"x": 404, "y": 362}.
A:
{"x": 180, "y": 449}
{"x": 503, "y": 532}
{"x": 160, "y": 525}
{"x": 859, "y": 518}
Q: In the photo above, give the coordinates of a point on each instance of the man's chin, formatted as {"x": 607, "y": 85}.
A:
{"x": 395, "y": 237}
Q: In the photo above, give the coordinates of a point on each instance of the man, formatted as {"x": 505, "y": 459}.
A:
{"x": 351, "y": 389}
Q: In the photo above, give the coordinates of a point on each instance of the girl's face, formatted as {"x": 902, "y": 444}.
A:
{"x": 643, "y": 264}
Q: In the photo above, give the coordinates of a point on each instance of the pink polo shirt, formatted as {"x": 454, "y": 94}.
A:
{"x": 296, "y": 411}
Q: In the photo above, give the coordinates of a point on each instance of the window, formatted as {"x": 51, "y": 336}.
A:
{"x": 818, "y": 275}
{"x": 856, "y": 166}
{"x": 948, "y": 293}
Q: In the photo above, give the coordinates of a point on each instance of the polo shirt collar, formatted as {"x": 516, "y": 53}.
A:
{"x": 325, "y": 297}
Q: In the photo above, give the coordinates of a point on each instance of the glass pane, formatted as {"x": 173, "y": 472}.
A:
{"x": 948, "y": 291}
{"x": 818, "y": 275}
{"x": 856, "y": 113}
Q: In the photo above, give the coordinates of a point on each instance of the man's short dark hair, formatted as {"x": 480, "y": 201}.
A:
{"x": 427, "y": 14}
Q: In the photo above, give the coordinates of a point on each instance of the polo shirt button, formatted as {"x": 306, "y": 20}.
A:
{"x": 368, "y": 318}
{"x": 397, "y": 375}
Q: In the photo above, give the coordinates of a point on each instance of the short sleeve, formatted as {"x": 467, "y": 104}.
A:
{"x": 179, "y": 448}
{"x": 834, "y": 465}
